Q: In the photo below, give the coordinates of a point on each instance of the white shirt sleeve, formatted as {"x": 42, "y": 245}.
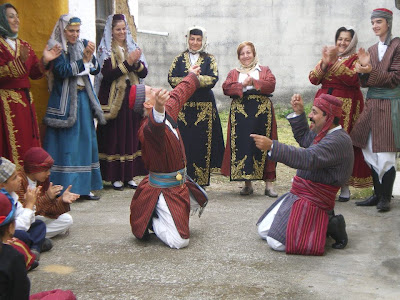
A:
{"x": 291, "y": 116}
{"x": 24, "y": 217}
{"x": 158, "y": 117}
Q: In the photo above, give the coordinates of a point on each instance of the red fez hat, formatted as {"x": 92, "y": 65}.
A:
{"x": 332, "y": 107}
{"x": 7, "y": 208}
{"x": 384, "y": 10}
{"x": 329, "y": 104}
{"x": 36, "y": 160}
{"x": 137, "y": 97}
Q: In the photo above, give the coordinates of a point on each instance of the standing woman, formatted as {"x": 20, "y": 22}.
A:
{"x": 122, "y": 64}
{"x": 252, "y": 111}
{"x": 19, "y": 130}
{"x": 199, "y": 122}
{"x": 70, "y": 135}
{"x": 336, "y": 73}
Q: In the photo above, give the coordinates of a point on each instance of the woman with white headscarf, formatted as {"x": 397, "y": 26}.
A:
{"x": 199, "y": 122}
{"x": 70, "y": 135}
{"x": 336, "y": 73}
{"x": 122, "y": 65}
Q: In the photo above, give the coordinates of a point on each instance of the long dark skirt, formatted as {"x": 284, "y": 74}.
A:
{"x": 119, "y": 148}
{"x": 200, "y": 128}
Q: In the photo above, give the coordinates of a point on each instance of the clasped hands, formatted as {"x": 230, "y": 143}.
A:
{"x": 134, "y": 56}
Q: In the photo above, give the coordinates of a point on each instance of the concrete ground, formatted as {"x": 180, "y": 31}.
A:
{"x": 100, "y": 258}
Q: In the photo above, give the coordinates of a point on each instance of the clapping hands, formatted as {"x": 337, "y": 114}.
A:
{"x": 88, "y": 52}
{"x": 364, "y": 65}
{"x": 329, "y": 56}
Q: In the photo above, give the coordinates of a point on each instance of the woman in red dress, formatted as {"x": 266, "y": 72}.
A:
{"x": 335, "y": 72}
{"x": 18, "y": 63}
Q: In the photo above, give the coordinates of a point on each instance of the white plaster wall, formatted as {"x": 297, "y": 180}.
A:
{"x": 86, "y": 11}
{"x": 288, "y": 35}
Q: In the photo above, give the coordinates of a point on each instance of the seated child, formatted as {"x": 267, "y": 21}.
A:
{"x": 31, "y": 231}
{"x": 14, "y": 282}
{"x": 51, "y": 205}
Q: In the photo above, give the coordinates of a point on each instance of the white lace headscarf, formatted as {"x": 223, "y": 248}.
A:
{"x": 105, "y": 48}
{"x": 203, "y": 42}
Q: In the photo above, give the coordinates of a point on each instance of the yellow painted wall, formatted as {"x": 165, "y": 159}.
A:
{"x": 37, "y": 20}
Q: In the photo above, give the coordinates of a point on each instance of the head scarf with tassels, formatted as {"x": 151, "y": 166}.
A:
{"x": 332, "y": 107}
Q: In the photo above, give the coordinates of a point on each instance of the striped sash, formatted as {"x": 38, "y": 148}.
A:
{"x": 167, "y": 180}
{"x": 308, "y": 220}
{"x": 394, "y": 96}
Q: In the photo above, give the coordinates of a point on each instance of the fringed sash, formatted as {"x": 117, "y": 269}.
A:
{"x": 308, "y": 221}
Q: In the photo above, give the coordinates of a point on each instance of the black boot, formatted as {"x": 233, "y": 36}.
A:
{"x": 387, "y": 189}
{"x": 374, "y": 199}
{"x": 337, "y": 230}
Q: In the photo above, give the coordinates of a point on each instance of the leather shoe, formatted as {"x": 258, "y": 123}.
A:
{"x": 383, "y": 204}
{"x": 37, "y": 254}
{"x": 343, "y": 199}
{"x": 371, "y": 201}
{"x": 118, "y": 188}
{"x": 270, "y": 193}
{"x": 89, "y": 197}
{"x": 246, "y": 191}
{"x": 34, "y": 265}
{"x": 337, "y": 230}
{"x": 131, "y": 184}
{"x": 46, "y": 246}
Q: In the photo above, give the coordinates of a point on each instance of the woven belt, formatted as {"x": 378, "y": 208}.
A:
{"x": 80, "y": 87}
{"x": 167, "y": 180}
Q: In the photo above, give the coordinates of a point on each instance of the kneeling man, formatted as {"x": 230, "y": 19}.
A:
{"x": 298, "y": 221}
{"x": 162, "y": 201}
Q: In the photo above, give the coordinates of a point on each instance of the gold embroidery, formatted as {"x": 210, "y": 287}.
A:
{"x": 118, "y": 157}
{"x": 339, "y": 68}
{"x": 360, "y": 182}
{"x": 5, "y": 71}
{"x": 237, "y": 164}
{"x": 118, "y": 86}
{"x": 204, "y": 110}
{"x": 6, "y": 96}
{"x": 346, "y": 108}
{"x": 13, "y": 68}
{"x": 204, "y": 114}
{"x": 356, "y": 114}
{"x": 206, "y": 80}
{"x": 182, "y": 116}
{"x": 174, "y": 81}
{"x": 12, "y": 96}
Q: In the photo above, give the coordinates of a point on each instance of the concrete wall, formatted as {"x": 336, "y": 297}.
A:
{"x": 86, "y": 11}
{"x": 288, "y": 35}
